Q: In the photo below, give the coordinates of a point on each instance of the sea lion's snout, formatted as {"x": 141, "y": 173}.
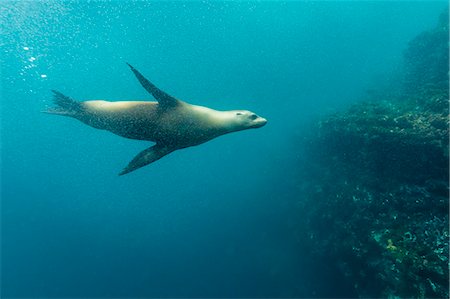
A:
{"x": 254, "y": 120}
{"x": 260, "y": 122}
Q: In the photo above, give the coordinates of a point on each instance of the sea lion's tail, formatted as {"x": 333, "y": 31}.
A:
{"x": 64, "y": 105}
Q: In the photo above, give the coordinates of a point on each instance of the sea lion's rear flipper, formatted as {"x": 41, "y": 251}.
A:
{"x": 146, "y": 157}
{"x": 164, "y": 99}
{"x": 64, "y": 105}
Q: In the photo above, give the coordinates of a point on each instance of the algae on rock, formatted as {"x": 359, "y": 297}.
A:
{"x": 378, "y": 199}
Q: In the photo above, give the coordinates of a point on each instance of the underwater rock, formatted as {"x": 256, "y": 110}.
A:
{"x": 378, "y": 200}
{"x": 426, "y": 59}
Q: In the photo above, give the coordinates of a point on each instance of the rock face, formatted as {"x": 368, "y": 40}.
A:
{"x": 378, "y": 198}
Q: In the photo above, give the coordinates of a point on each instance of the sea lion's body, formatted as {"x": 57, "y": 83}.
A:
{"x": 171, "y": 123}
{"x": 184, "y": 125}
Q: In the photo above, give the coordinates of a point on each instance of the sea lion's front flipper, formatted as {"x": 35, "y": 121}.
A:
{"x": 163, "y": 98}
{"x": 146, "y": 157}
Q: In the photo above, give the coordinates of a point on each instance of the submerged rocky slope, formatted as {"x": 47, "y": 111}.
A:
{"x": 377, "y": 203}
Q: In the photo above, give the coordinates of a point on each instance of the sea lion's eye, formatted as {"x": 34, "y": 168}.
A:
{"x": 238, "y": 113}
{"x": 253, "y": 116}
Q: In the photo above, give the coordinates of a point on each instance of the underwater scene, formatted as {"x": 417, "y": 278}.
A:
{"x": 224, "y": 149}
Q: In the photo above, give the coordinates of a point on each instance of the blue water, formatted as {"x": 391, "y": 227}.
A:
{"x": 209, "y": 221}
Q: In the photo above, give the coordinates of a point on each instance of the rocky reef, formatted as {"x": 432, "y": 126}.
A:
{"x": 378, "y": 199}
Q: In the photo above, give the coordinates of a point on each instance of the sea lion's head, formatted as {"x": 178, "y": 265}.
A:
{"x": 243, "y": 119}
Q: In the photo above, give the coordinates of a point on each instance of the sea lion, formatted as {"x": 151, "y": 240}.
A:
{"x": 171, "y": 123}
